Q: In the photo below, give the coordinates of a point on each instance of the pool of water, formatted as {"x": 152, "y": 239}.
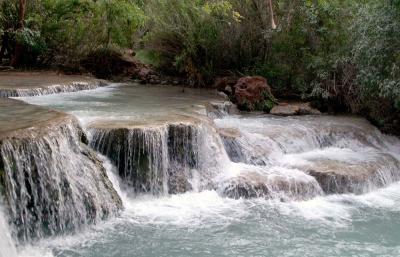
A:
{"x": 205, "y": 223}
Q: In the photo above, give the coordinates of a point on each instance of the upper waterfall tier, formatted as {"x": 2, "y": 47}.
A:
{"x": 242, "y": 155}
{"x": 50, "y": 180}
{"x": 18, "y": 84}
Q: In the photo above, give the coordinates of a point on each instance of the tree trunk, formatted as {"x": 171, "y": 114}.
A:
{"x": 271, "y": 10}
{"x": 22, "y": 10}
{"x": 4, "y": 46}
{"x": 15, "y": 60}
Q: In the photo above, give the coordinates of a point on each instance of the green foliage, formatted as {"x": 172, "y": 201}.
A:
{"x": 64, "y": 31}
{"x": 376, "y": 49}
{"x": 344, "y": 51}
{"x": 186, "y": 35}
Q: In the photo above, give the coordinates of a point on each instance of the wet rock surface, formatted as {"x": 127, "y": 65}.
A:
{"x": 14, "y": 84}
{"x": 51, "y": 181}
{"x": 273, "y": 184}
{"x": 294, "y": 108}
{"x": 153, "y": 158}
{"x": 220, "y": 109}
{"x": 343, "y": 154}
{"x": 338, "y": 177}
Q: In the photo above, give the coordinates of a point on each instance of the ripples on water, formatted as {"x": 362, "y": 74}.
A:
{"x": 208, "y": 224}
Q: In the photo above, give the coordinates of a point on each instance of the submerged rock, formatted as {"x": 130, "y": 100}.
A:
{"x": 338, "y": 177}
{"x": 290, "y": 109}
{"x": 51, "y": 181}
{"x": 220, "y": 109}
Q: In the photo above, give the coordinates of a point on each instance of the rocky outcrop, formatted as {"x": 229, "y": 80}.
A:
{"x": 294, "y": 108}
{"x": 253, "y": 94}
{"x": 337, "y": 177}
{"x": 225, "y": 84}
{"x": 51, "y": 181}
{"x": 275, "y": 184}
{"x": 221, "y": 109}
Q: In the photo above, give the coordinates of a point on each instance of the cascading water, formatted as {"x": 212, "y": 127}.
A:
{"x": 52, "y": 183}
{"x": 254, "y": 185}
{"x": 158, "y": 159}
{"x": 343, "y": 154}
{"x": 7, "y": 246}
{"x": 52, "y": 89}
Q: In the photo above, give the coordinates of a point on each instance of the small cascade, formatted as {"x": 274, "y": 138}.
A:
{"x": 139, "y": 154}
{"x": 157, "y": 159}
{"x": 53, "y": 183}
{"x": 343, "y": 154}
{"x": 52, "y": 89}
{"x": 247, "y": 181}
{"x": 7, "y": 245}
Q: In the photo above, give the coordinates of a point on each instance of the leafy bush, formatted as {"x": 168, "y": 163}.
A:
{"x": 66, "y": 30}
{"x": 186, "y": 35}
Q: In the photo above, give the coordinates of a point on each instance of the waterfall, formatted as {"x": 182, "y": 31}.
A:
{"x": 52, "y": 89}
{"x": 7, "y": 246}
{"x": 157, "y": 159}
{"x": 342, "y": 154}
{"x": 52, "y": 182}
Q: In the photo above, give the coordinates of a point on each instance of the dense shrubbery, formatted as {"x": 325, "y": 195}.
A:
{"x": 342, "y": 52}
{"x": 62, "y": 32}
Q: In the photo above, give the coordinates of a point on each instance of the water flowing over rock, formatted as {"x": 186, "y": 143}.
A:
{"x": 52, "y": 182}
{"x": 7, "y": 247}
{"x": 22, "y": 84}
{"x": 156, "y": 159}
{"x": 343, "y": 154}
{"x": 275, "y": 183}
{"x": 53, "y": 89}
{"x": 355, "y": 177}
{"x": 221, "y": 109}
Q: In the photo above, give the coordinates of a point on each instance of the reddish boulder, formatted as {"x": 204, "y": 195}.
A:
{"x": 253, "y": 94}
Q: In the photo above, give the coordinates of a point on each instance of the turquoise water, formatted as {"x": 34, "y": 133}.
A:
{"x": 207, "y": 224}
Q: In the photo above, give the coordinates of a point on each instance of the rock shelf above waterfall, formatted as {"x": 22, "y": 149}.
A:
{"x": 19, "y": 119}
{"x": 16, "y": 84}
{"x": 51, "y": 181}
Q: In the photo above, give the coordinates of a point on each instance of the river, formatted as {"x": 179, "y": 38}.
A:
{"x": 259, "y": 185}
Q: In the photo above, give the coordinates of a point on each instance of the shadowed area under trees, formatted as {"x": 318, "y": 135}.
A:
{"x": 342, "y": 54}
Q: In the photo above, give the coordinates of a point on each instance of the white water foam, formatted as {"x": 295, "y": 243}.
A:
{"x": 7, "y": 246}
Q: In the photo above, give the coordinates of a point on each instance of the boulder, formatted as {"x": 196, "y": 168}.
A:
{"x": 143, "y": 73}
{"x": 271, "y": 185}
{"x": 336, "y": 177}
{"x": 291, "y": 109}
{"x": 225, "y": 84}
{"x": 253, "y": 94}
{"x": 220, "y": 109}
